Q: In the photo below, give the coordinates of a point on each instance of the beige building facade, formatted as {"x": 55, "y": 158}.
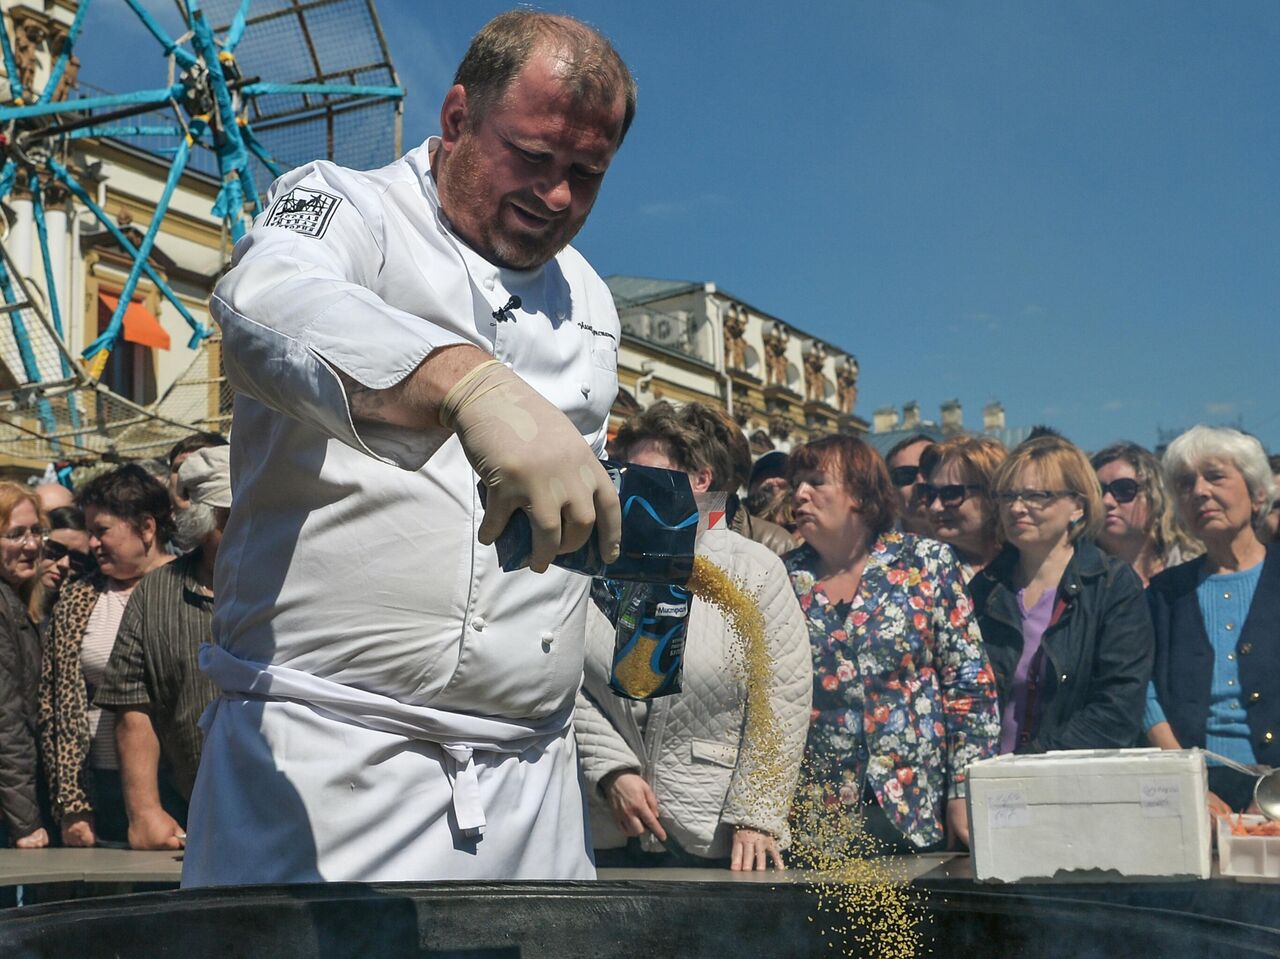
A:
{"x": 685, "y": 341}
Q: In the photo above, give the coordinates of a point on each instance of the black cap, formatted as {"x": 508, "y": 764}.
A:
{"x": 773, "y": 463}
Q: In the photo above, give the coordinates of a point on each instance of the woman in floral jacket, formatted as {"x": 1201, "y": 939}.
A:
{"x": 904, "y": 697}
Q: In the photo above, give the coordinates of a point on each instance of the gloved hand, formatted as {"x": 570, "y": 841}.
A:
{"x": 529, "y": 456}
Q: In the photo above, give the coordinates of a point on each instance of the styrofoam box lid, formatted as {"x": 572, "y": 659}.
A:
{"x": 1093, "y": 762}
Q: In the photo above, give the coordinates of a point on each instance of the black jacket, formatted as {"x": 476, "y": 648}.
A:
{"x": 1183, "y": 672}
{"x": 19, "y": 689}
{"x": 1098, "y": 653}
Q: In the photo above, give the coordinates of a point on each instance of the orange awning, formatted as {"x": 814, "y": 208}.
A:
{"x": 140, "y": 325}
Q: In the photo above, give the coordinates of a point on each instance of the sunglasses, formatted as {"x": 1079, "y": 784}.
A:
{"x": 79, "y": 562}
{"x": 904, "y": 475}
{"x": 951, "y": 495}
{"x": 1123, "y": 490}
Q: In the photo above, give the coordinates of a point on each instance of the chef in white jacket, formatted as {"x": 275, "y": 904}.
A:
{"x": 394, "y": 706}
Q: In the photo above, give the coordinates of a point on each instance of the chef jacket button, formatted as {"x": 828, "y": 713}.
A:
{"x": 1246, "y": 649}
{"x": 586, "y": 389}
{"x": 478, "y": 624}
{"x": 488, "y": 282}
{"x": 1254, "y": 697}
{"x": 1268, "y": 736}
{"x": 1064, "y": 677}
{"x": 1226, "y": 595}
{"x": 548, "y": 638}
{"x": 1231, "y": 682}
{"x": 1231, "y": 656}
{"x": 1230, "y": 627}
{"x": 1235, "y": 704}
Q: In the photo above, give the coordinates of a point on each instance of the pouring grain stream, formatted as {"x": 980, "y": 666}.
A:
{"x": 863, "y": 901}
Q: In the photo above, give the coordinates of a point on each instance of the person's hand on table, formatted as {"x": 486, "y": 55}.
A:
{"x": 633, "y": 804}
{"x": 1218, "y": 807}
{"x": 752, "y": 849}
{"x": 36, "y": 839}
{"x": 957, "y": 824}
{"x": 156, "y": 830}
{"x": 77, "y": 830}
{"x": 529, "y": 456}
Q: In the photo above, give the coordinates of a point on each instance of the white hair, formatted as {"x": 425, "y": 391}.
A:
{"x": 1202, "y": 443}
{"x": 194, "y": 522}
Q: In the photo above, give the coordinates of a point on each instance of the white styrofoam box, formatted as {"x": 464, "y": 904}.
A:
{"x": 1137, "y": 812}
{"x": 1247, "y": 855}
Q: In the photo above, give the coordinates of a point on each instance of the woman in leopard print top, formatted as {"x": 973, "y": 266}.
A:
{"x": 129, "y": 522}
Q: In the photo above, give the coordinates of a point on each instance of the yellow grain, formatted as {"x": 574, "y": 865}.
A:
{"x": 864, "y": 902}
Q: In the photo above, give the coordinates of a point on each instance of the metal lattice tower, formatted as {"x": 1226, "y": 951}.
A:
{"x": 253, "y": 88}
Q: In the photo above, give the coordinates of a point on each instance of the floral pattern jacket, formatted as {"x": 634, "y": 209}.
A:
{"x": 904, "y": 697}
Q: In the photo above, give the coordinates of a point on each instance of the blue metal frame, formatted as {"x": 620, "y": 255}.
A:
{"x": 233, "y": 141}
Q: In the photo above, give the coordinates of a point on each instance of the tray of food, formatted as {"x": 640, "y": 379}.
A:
{"x": 1248, "y": 846}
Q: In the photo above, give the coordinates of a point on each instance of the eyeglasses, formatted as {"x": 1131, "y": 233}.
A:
{"x": 22, "y": 533}
{"x": 904, "y": 475}
{"x": 79, "y": 562}
{"x": 1034, "y": 498}
{"x": 951, "y": 495}
{"x": 1123, "y": 490}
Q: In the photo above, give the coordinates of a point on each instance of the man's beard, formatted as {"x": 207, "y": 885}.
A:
{"x": 463, "y": 187}
{"x": 193, "y": 523}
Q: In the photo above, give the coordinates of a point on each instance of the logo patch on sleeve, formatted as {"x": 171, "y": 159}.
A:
{"x": 303, "y": 211}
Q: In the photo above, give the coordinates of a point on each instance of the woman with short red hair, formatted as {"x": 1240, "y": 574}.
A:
{"x": 903, "y": 696}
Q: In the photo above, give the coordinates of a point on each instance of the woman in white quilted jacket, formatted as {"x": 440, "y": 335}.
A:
{"x": 670, "y": 781}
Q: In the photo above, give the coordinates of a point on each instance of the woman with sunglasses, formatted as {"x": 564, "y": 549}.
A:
{"x": 903, "y": 695}
{"x": 66, "y": 557}
{"x": 957, "y": 495}
{"x": 1065, "y": 625}
{"x": 21, "y": 531}
{"x": 127, "y": 513}
{"x": 1139, "y": 525}
{"x": 1216, "y": 681}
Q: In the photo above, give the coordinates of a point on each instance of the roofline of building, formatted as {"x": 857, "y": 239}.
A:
{"x": 710, "y": 287}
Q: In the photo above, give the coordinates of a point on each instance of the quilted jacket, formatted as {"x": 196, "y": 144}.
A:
{"x": 690, "y": 748}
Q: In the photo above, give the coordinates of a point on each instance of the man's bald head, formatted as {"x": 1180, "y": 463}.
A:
{"x": 590, "y": 67}
{"x": 54, "y": 496}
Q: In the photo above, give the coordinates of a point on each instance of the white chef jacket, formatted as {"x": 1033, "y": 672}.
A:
{"x": 350, "y": 555}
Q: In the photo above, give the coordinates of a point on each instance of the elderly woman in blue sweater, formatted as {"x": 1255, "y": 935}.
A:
{"x": 1216, "y": 682}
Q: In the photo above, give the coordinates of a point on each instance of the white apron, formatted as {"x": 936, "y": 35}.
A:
{"x": 376, "y": 790}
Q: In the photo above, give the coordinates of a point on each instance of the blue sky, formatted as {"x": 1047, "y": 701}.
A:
{"x": 1069, "y": 206}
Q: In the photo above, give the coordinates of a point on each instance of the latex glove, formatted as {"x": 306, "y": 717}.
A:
{"x": 77, "y": 830}
{"x": 36, "y": 839}
{"x": 957, "y": 824}
{"x": 633, "y": 804}
{"x": 529, "y": 456}
{"x": 156, "y": 830}
{"x": 752, "y": 849}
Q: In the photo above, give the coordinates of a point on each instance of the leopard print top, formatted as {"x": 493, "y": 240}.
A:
{"x": 64, "y": 701}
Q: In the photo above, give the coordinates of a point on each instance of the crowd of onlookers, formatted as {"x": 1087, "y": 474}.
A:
{"x": 105, "y": 597}
{"x": 950, "y": 601}
{"x": 955, "y": 600}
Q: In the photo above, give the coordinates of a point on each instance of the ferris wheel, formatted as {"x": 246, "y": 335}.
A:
{"x": 250, "y": 90}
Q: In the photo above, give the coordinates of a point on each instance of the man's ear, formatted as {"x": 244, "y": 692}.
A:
{"x": 701, "y": 480}
{"x": 453, "y": 115}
